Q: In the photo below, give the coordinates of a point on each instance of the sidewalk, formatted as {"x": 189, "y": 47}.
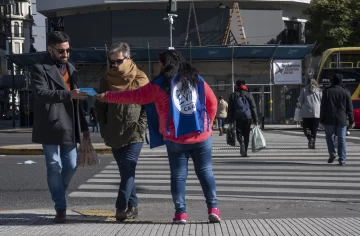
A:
{"x": 38, "y": 222}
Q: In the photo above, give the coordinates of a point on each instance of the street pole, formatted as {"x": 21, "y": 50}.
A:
{"x": 11, "y": 3}
{"x": 171, "y": 9}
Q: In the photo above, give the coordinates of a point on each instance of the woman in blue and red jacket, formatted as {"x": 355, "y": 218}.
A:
{"x": 198, "y": 145}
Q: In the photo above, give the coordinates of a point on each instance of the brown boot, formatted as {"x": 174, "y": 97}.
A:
{"x": 60, "y": 216}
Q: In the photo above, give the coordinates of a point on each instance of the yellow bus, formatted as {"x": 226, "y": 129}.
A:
{"x": 345, "y": 61}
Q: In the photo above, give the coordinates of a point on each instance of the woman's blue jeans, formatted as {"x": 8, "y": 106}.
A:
{"x": 201, "y": 154}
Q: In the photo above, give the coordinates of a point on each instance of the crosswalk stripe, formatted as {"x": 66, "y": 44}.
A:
{"x": 285, "y": 170}
{"x": 221, "y": 177}
{"x": 224, "y": 154}
{"x": 243, "y": 189}
{"x": 219, "y": 197}
{"x": 250, "y": 173}
{"x": 236, "y": 182}
{"x": 241, "y": 167}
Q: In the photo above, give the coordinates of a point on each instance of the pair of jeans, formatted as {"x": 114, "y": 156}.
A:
{"x": 61, "y": 167}
{"x": 310, "y": 128}
{"x": 201, "y": 154}
{"x": 340, "y": 132}
{"x": 243, "y": 128}
{"x": 126, "y": 159}
{"x": 221, "y": 122}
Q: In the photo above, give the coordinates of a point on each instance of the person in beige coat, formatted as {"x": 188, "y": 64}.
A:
{"x": 222, "y": 114}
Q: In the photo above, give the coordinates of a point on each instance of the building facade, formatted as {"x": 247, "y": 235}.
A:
{"x": 15, "y": 38}
{"x": 99, "y": 23}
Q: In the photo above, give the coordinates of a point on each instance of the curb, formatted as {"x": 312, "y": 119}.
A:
{"x": 16, "y": 131}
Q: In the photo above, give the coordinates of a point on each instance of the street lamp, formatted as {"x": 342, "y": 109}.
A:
{"x": 10, "y": 3}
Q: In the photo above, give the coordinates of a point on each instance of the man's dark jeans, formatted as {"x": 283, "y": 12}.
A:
{"x": 126, "y": 159}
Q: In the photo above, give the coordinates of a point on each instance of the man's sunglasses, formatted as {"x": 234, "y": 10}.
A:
{"x": 61, "y": 51}
{"x": 117, "y": 61}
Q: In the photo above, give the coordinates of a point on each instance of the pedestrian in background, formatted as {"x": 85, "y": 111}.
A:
{"x": 222, "y": 114}
{"x": 336, "y": 107}
{"x": 309, "y": 102}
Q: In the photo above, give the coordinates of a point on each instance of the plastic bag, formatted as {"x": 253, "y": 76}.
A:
{"x": 86, "y": 154}
{"x": 231, "y": 135}
{"x": 297, "y": 116}
{"x": 258, "y": 141}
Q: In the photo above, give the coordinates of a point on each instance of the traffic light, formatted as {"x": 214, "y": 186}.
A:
{"x": 172, "y": 7}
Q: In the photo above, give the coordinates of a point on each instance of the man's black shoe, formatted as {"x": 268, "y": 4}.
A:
{"x": 60, "y": 217}
{"x": 132, "y": 213}
{"x": 120, "y": 215}
{"x": 331, "y": 158}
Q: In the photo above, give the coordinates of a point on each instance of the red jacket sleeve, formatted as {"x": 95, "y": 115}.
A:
{"x": 143, "y": 95}
{"x": 211, "y": 102}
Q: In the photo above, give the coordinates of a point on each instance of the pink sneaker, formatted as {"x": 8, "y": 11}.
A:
{"x": 180, "y": 218}
{"x": 214, "y": 215}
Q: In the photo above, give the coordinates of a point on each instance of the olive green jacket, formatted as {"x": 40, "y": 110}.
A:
{"x": 120, "y": 124}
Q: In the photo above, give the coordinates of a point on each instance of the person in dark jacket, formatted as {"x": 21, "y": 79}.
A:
{"x": 122, "y": 126}
{"x": 242, "y": 121}
{"x": 336, "y": 107}
{"x": 58, "y": 117}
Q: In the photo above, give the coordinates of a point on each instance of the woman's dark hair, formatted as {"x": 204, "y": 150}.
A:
{"x": 174, "y": 63}
{"x": 57, "y": 37}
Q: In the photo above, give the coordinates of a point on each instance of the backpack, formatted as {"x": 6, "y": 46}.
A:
{"x": 187, "y": 110}
{"x": 242, "y": 108}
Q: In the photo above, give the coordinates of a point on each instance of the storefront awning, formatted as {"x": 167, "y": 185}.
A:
{"x": 215, "y": 53}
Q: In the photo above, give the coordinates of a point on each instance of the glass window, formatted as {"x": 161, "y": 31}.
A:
{"x": 17, "y": 48}
{"x": 331, "y": 61}
{"x": 16, "y": 29}
{"x": 16, "y": 9}
{"x": 349, "y": 59}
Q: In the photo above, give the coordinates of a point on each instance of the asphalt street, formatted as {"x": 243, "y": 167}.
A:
{"x": 284, "y": 180}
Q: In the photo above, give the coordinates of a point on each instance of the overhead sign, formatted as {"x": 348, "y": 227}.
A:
{"x": 287, "y": 71}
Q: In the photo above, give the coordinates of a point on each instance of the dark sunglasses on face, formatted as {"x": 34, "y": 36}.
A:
{"x": 117, "y": 61}
{"x": 61, "y": 51}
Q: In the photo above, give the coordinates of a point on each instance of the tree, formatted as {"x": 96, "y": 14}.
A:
{"x": 333, "y": 23}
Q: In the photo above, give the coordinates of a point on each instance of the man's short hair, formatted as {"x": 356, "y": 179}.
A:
{"x": 122, "y": 47}
{"x": 337, "y": 79}
{"x": 56, "y": 37}
{"x": 240, "y": 82}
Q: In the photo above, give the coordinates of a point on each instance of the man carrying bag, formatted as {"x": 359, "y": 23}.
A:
{"x": 242, "y": 109}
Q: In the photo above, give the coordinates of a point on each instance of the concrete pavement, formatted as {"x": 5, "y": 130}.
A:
{"x": 38, "y": 222}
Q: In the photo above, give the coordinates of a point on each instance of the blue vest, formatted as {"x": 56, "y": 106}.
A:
{"x": 187, "y": 110}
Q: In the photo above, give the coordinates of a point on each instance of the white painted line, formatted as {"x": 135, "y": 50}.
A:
{"x": 239, "y": 167}
{"x": 242, "y": 189}
{"x": 219, "y": 197}
{"x": 321, "y": 135}
{"x": 293, "y": 174}
{"x": 231, "y": 177}
{"x": 262, "y": 153}
{"x": 237, "y": 182}
{"x": 305, "y": 159}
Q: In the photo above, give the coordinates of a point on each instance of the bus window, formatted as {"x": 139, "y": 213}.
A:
{"x": 331, "y": 61}
{"x": 349, "y": 59}
{"x": 356, "y": 104}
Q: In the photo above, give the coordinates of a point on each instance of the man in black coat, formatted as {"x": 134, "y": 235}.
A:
{"x": 241, "y": 109}
{"x": 58, "y": 117}
{"x": 336, "y": 107}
